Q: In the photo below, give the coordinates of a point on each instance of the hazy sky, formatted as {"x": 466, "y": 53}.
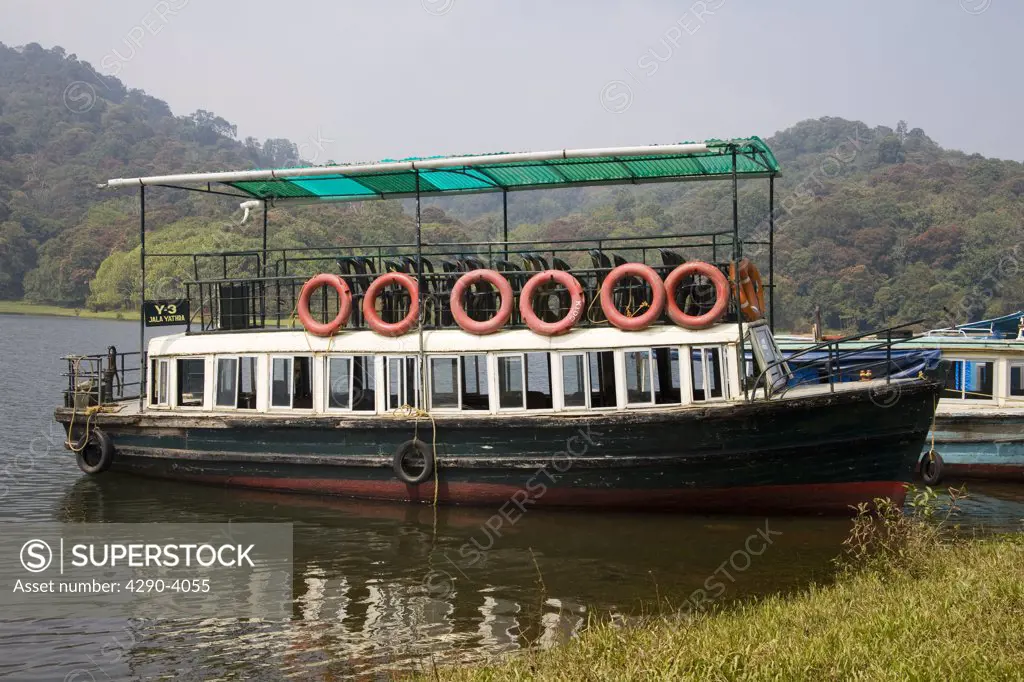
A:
{"x": 366, "y": 80}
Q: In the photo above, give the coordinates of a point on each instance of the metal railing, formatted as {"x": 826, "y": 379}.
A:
{"x": 834, "y": 369}
{"x": 266, "y": 301}
{"x": 102, "y": 379}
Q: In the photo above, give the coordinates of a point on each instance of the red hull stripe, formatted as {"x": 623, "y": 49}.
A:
{"x": 815, "y": 497}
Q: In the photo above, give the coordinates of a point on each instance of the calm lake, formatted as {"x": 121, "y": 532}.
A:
{"x": 377, "y": 587}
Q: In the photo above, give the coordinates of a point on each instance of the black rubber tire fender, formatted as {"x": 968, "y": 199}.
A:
{"x": 98, "y": 453}
{"x": 411, "y": 447}
{"x": 931, "y": 468}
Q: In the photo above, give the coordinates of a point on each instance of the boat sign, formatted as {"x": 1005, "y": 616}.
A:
{"x": 164, "y": 313}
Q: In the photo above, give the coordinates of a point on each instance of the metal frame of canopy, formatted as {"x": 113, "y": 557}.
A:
{"x": 501, "y": 172}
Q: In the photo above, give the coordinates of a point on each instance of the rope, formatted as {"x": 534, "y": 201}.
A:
{"x": 89, "y": 411}
{"x": 931, "y": 450}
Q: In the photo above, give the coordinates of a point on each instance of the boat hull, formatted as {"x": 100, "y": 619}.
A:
{"x": 819, "y": 453}
{"x": 982, "y": 445}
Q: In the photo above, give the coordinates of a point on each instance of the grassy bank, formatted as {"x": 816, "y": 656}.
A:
{"x": 24, "y": 308}
{"x": 953, "y": 613}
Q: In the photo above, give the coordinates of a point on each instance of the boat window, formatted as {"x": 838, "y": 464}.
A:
{"x": 291, "y": 382}
{"x": 602, "y": 378}
{"x": 639, "y": 377}
{"x": 444, "y": 382}
{"x": 574, "y": 380}
{"x": 666, "y": 376}
{"x": 588, "y": 379}
{"x": 280, "y": 384}
{"x": 403, "y": 382}
{"x": 1017, "y": 380}
{"x": 158, "y": 382}
{"x": 364, "y": 384}
{"x": 538, "y": 382}
{"x": 246, "y": 384}
{"x": 524, "y": 381}
{"x": 475, "y": 389}
{"x": 708, "y": 374}
{"x": 967, "y": 379}
{"x": 191, "y": 381}
{"x": 510, "y": 382}
{"x": 339, "y": 383}
{"x": 227, "y": 382}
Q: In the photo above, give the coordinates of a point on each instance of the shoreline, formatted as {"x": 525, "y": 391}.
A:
{"x": 25, "y": 308}
{"x": 871, "y": 624}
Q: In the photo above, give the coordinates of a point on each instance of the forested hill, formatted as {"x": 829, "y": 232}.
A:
{"x": 875, "y": 224}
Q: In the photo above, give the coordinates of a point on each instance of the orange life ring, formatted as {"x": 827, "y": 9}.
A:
{"x": 344, "y": 304}
{"x": 496, "y": 280}
{"x": 575, "y": 308}
{"x": 750, "y": 289}
{"x": 654, "y": 310}
{"x": 721, "y": 294}
{"x": 373, "y": 318}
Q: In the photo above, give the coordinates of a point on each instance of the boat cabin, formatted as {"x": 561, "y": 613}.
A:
{"x": 361, "y": 373}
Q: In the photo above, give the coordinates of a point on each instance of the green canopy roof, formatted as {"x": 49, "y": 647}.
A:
{"x": 436, "y": 176}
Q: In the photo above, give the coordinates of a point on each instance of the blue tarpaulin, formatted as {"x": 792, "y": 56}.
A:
{"x": 848, "y": 365}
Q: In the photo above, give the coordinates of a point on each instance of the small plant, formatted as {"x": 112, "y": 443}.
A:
{"x": 886, "y": 537}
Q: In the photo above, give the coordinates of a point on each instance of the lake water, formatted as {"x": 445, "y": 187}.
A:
{"x": 378, "y": 587}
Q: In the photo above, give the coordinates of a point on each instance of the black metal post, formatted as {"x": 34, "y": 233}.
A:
{"x": 419, "y": 244}
{"x": 142, "y": 297}
{"x": 888, "y": 355}
{"x": 264, "y": 238}
{"x": 771, "y": 252}
{"x": 504, "y": 214}
{"x": 737, "y": 253}
{"x": 424, "y": 401}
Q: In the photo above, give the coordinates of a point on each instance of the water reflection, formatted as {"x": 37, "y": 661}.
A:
{"x": 381, "y": 586}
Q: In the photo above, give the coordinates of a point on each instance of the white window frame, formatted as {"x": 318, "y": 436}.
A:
{"x": 522, "y": 380}
{"x": 618, "y": 360}
{"x": 682, "y": 376}
{"x": 206, "y": 382}
{"x": 238, "y": 381}
{"x": 650, "y": 378}
{"x": 162, "y": 370}
{"x": 1010, "y": 364}
{"x": 963, "y": 391}
{"x": 291, "y": 382}
{"x": 586, "y": 381}
{"x": 723, "y": 363}
{"x": 490, "y": 369}
{"x": 216, "y": 381}
{"x": 619, "y": 386}
{"x": 457, "y": 379}
{"x": 327, "y": 383}
{"x": 403, "y": 398}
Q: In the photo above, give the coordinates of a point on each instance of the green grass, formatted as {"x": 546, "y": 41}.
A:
{"x": 25, "y": 308}
{"x": 956, "y": 614}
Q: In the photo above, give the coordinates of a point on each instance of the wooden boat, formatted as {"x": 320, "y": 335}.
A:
{"x": 626, "y": 388}
{"x": 979, "y": 420}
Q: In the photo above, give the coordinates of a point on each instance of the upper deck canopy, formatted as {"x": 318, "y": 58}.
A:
{"x": 435, "y": 176}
